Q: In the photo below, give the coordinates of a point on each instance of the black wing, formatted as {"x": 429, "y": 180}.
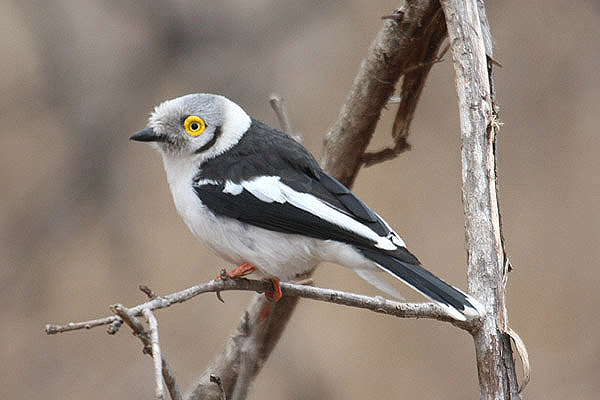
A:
{"x": 280, "y": 217}
{"x": 263, "y": 151}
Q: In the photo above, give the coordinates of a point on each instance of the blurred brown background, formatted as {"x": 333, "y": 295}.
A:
{"x": 86, "y": 215}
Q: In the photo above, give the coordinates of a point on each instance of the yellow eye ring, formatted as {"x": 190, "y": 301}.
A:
{"x": 194, "y": 125}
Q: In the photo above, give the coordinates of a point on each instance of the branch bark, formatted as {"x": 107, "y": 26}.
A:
{"x": 470, "y": 40}
{"x": 392, "y": 53}
{"x": 425, "y": 53}
{"x": 376, "y": 304}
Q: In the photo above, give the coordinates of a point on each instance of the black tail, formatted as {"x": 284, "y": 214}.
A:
{"x": 428, "y": 284}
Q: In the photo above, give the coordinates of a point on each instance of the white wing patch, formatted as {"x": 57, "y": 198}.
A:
{"x": 232, "y": 188}
{"x": 206, "y": 182}
{"x": 270, "y": 189}
{"x": 266, "y": 188}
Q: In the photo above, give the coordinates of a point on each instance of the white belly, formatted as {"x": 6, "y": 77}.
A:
{"x": 274, "y": 254}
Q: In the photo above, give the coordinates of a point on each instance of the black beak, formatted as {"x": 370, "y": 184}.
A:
{"x": 147, "y": 135}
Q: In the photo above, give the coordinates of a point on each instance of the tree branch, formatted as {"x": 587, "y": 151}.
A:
{"x": 257, "y": 333}
{"x": 471, "y": 44}
{"x": 418, "y": 64}
{"x": 390, "y": 55}
{"x": 375, "y": 304}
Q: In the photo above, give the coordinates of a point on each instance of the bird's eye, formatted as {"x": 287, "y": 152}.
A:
{"x": 194, "y": 125}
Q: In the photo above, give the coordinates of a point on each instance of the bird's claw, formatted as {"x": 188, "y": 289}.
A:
{"x": 274, "y": 295}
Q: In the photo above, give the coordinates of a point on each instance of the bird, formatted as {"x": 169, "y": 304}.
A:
{"x": 257, "y": 198}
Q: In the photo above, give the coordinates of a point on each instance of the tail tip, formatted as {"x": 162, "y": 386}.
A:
{"x": 471, "y": 309}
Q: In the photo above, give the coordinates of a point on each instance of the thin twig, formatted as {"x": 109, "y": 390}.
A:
{"x": 51, "y": 329}
{"x": 369, "y": 158}
{"x": 285, "y": 125}
{"x": 156, "y": 353}
{"x": 164, "y": 301}
{"x": 376, "y": 304}
{"x": 396, "y": 16}
{"x": 147, "y": 291}
{"x": 171, "y": 381}
{"x": 125, "y": 314}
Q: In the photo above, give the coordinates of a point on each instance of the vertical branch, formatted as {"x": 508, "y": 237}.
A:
{"x": 257, "y": 334}
{"x": 471, "y": 49}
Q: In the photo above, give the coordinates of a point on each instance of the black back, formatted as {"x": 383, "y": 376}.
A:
{"x": 266, "y": 151}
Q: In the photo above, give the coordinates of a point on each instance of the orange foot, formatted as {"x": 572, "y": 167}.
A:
{"x": 245, "y": 269}
{"x": 237, "y": 272}
{"x": 242, "y": 270}
{"x": 274, "y": 295}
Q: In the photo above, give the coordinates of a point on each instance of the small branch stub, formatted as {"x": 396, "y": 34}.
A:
{"x": 283, "y": 117}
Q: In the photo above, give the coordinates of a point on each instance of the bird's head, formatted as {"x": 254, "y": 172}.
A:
{"x": 201, "y": 124}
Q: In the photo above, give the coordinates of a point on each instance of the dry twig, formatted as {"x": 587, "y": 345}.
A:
{"x": 128, "y": 316}
{"x": 278, "y": 106}
{"x": 159, "y": 392}
{"x": 376, "y": 304}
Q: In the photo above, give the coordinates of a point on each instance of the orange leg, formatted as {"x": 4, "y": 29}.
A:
{"x": 274, "y": 295}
